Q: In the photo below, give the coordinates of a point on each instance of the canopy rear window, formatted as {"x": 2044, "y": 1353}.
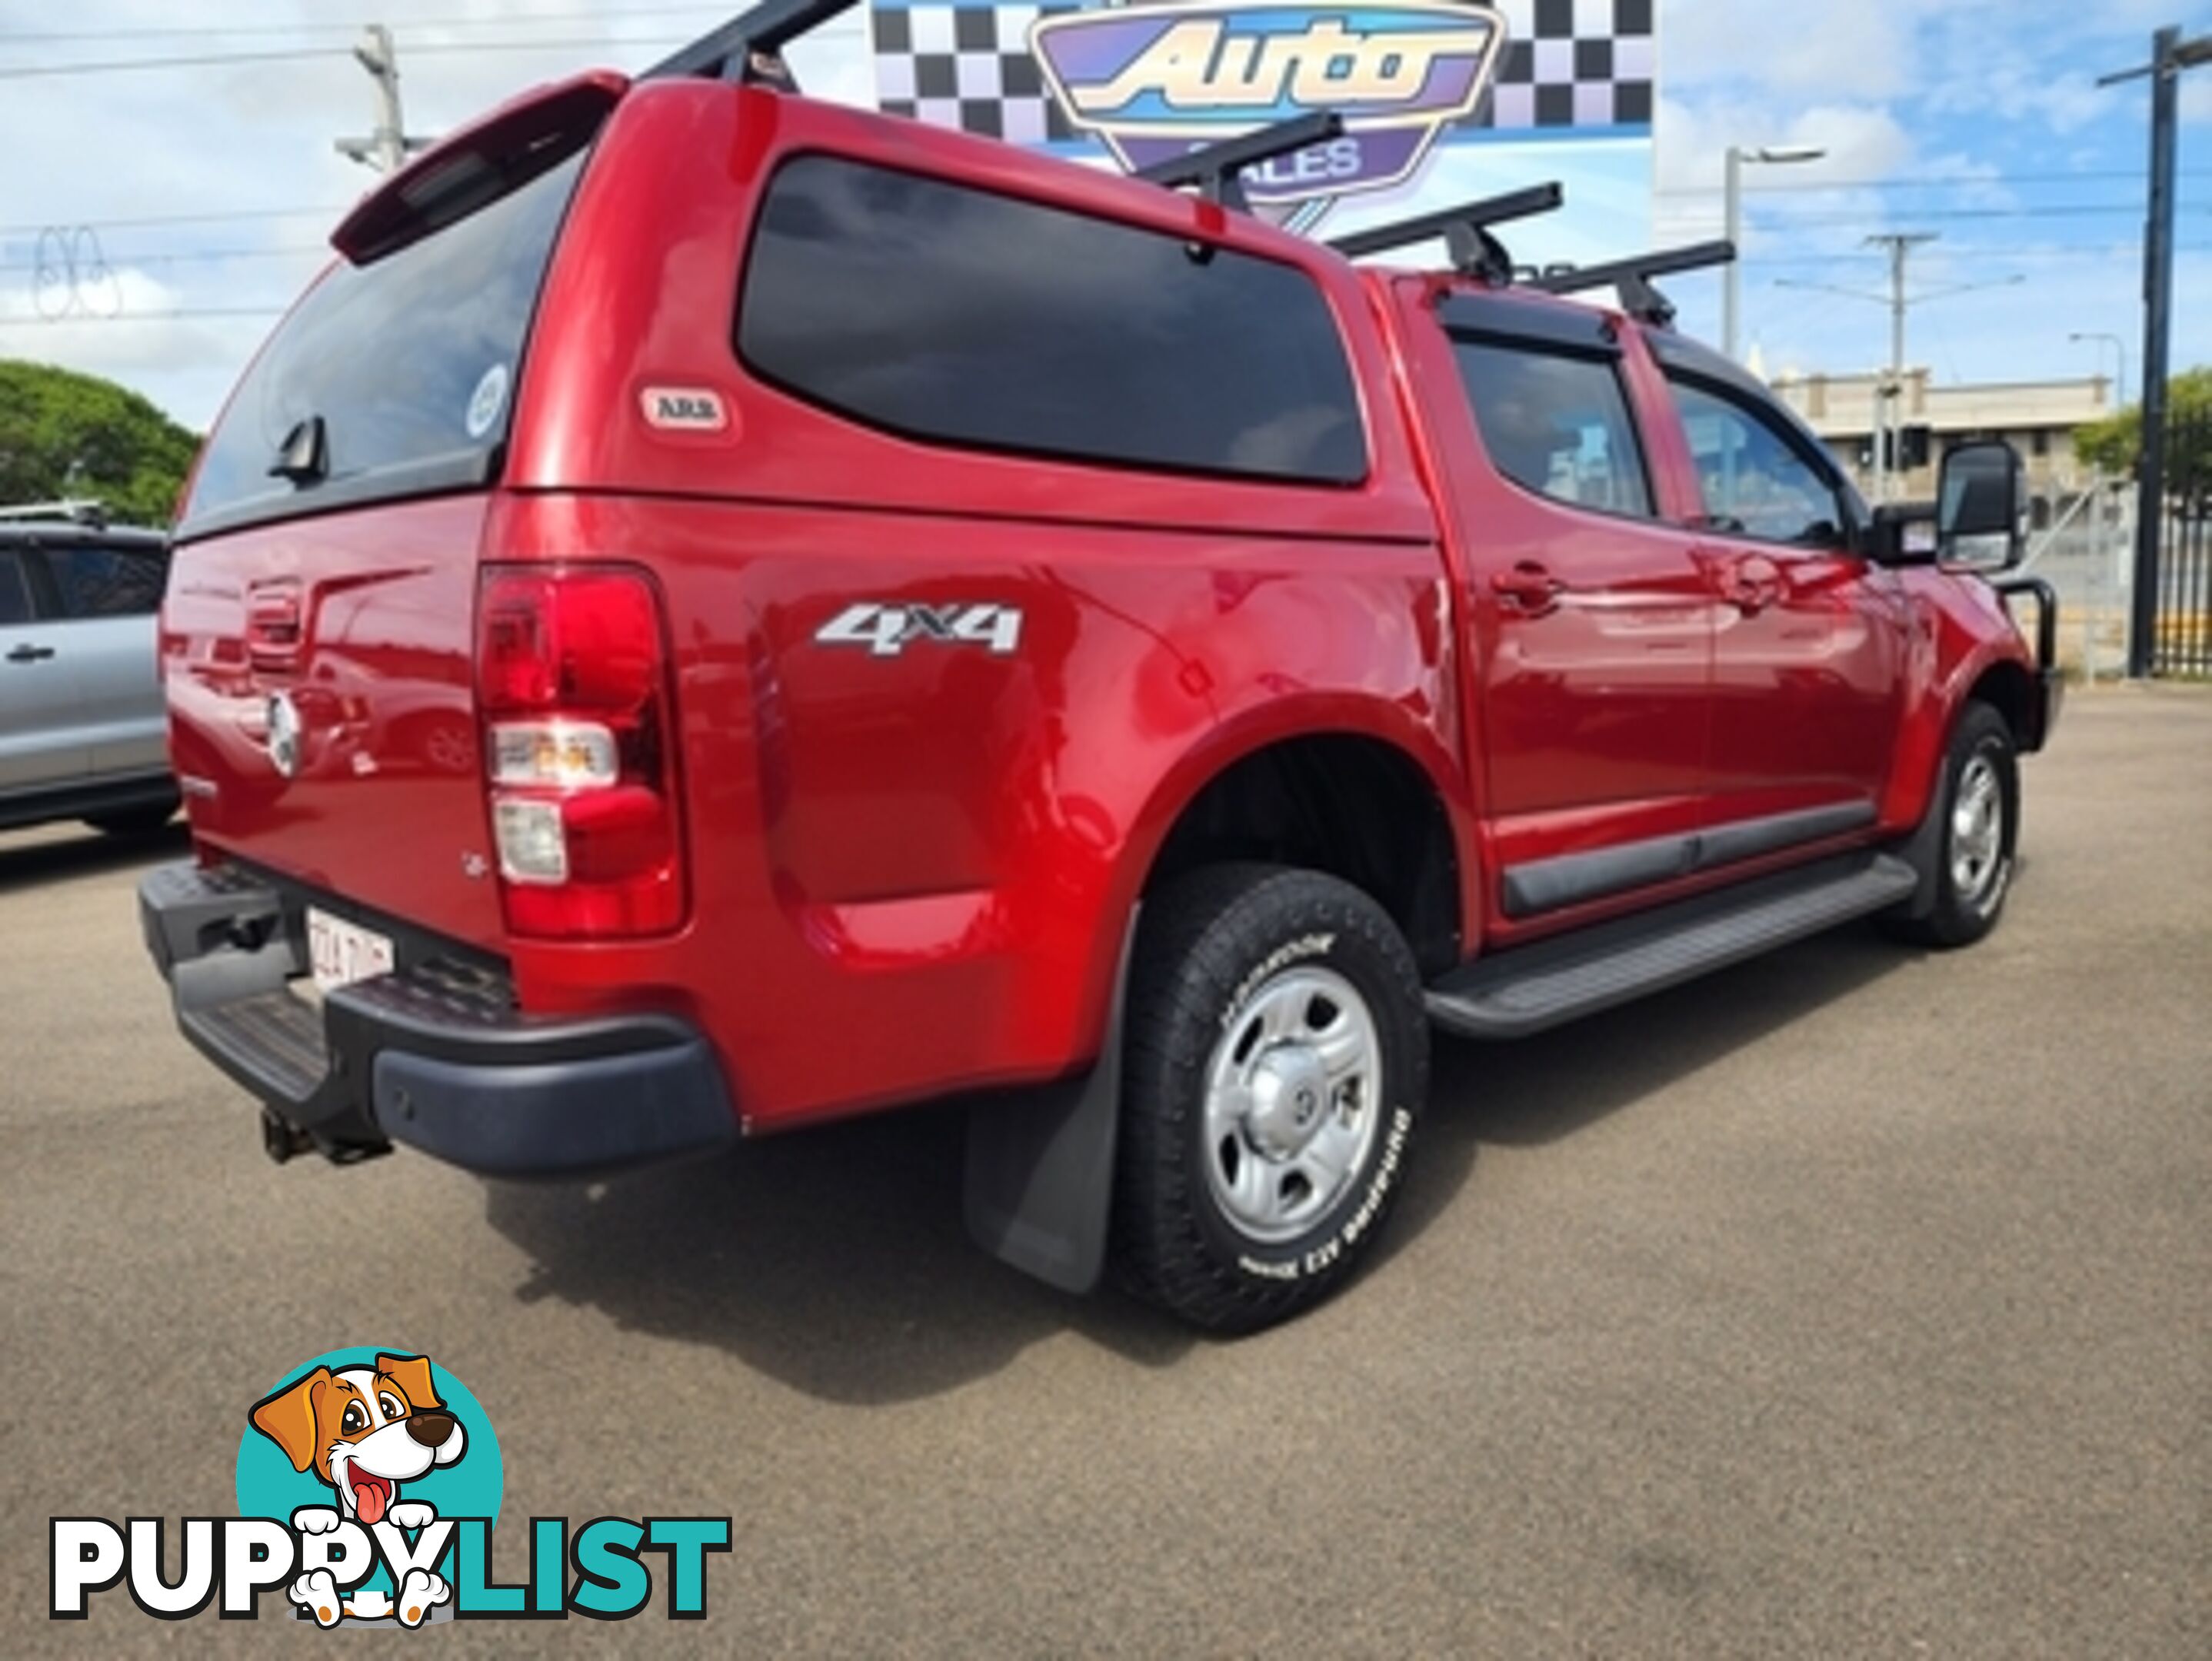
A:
{"x": 408, "y": 364}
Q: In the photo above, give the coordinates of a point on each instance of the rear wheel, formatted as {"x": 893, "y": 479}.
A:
{"x": 1277, "y": 1064}
{"x": 1977, "y": 832}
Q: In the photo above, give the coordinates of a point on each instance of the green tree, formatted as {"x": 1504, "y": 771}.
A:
{"x": 66, "y": 434}
{"x": 2115, "y": 443}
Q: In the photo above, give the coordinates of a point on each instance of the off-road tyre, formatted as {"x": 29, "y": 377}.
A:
{"x": 1219, "y": 953}
{"x": 1973, "y": 860}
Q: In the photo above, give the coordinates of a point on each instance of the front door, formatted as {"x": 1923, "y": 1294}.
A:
{"x": 1810, "y": 643}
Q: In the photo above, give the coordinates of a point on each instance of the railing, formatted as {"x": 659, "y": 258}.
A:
{"x": 2182, "y": 645}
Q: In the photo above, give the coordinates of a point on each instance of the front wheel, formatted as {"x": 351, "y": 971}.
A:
{"x": 1979, "y": 802}
{"x": 1277, "y": 1064}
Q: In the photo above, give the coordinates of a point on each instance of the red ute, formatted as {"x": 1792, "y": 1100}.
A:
{"x": 720, "y": 612}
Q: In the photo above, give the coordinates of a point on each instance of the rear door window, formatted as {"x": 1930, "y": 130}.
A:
{"x": 963, "y": 317}
{"x": 107, "y": 582}
{"x": 409, "y": 362}
{"x": 1558, "y": 423}
{"x": 15, "y": 596}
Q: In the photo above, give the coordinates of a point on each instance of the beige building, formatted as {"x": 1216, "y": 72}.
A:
{"x": 2038, "y": 418}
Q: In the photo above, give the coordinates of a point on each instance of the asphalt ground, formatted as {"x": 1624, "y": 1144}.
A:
{"x": 1852, "y": 1303}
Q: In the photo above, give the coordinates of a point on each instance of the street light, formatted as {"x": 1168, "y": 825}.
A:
{"x": 1732, "y": 280}
{"x": 2119, "y": 351}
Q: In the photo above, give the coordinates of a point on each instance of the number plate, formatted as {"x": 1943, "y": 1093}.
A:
{"x": 341, "y": 953}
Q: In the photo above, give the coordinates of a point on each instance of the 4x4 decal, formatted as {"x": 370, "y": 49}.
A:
{"x": 888, "y": 630}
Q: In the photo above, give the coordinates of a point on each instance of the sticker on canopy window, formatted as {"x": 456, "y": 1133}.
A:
{"x": 489, "y": 402}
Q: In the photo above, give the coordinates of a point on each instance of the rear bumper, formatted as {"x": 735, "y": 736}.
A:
{"x": 431, "y": 1056}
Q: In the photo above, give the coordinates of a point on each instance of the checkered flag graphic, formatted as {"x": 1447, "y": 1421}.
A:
{"x": 1573, "y": 63}
{"x": 966, "y": 64}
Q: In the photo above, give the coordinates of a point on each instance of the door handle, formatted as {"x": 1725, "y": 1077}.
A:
{"x": 27, "y": 653}
{"x": 1529, "y": 587}
{"x": 1751, "y": 586}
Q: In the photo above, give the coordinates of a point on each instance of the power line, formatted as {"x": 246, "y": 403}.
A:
{"x": 202, "y": 31}
{"x": 180, "y": 315}
{"x": 230, "y": 216}
{"x": 297, "y": 54}
{"x": 1977, "y": 182}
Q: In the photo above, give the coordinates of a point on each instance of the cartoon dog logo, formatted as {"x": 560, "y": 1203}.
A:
{"x": 365, "y": 1430}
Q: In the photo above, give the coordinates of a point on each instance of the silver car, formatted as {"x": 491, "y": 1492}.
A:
{"x": 82, "y": 732}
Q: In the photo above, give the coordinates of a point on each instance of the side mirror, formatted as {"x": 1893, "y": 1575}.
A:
{"x": 1902, "y": 533}
{"x": 1980, "y": 508}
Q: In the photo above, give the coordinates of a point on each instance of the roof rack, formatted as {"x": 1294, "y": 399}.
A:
{"x": 749, "y": 47}
{"x": 1466, "y": 231}
{"x": 1215, "y": 168}
{"x": 1633, "y": 277}
{"x": 75, "y": 510}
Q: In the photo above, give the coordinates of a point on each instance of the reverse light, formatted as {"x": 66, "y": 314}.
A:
{"x": 574, "y": 690}
{"x": 533, "y": 847}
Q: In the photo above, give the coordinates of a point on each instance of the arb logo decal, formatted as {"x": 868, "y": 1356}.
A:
{"x": 368, "y": 1484}
{"x": 1155, "y": 81}
{"x": 683, "y": 408}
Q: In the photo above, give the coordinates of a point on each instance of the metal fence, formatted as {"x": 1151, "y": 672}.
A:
{"x": 2183, "y": 642}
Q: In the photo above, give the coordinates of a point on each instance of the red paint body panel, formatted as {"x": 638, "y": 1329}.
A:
{"x": 911, "y": 874}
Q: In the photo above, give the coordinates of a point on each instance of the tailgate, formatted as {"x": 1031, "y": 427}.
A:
{"x": 320, "y": 675}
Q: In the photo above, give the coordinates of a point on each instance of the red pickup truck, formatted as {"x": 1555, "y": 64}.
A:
{"x": 720, "y": 612}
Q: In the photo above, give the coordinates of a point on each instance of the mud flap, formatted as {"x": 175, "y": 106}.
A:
{"x": 1040, "y": 1165}
{"x": 1924, "y": 849}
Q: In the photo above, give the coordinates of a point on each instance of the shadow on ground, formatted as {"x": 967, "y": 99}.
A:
{"x": 835, "y": 1262}
{"x": 59, "y": 859}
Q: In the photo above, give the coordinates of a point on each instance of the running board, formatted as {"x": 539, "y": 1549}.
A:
{"x": 1528, "y": 990}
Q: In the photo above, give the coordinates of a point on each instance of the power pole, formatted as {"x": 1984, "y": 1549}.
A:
{"x": 1889, "y": 408}
{"x": 388, "y": 149}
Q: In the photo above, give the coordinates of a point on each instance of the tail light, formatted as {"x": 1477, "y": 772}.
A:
{"x": 573, "y": 688}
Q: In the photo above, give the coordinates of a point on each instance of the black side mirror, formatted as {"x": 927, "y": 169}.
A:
{"x": 1901, "y": 533}
{"x": 1980, "y": 507}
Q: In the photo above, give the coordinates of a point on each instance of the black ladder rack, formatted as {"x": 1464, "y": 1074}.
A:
{"x": 1466, "y": 231}
{"x": 1215, "y": 168}
{"x": 1633, "y": 278}
{"x": 749, "y": 47}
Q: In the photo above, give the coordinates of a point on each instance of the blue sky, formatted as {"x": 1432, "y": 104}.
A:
{"x": 206, "y": 188}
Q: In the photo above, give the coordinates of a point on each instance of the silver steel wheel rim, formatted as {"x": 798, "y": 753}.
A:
{"x": 1293, "y": 1094}
{"x": 1976, "y": 830}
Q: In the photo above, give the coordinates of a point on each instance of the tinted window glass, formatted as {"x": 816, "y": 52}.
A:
{"x": 107, "y": 582}
{"x": 14, "y": 601}
{"x": 1753, "y": 480}
{"x": 1558, "y": 424}
{"x": 411, "y": 362}
{"x": 966, "y": 318}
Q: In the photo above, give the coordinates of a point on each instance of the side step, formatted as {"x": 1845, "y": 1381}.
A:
{"x": 1526, "y": 991}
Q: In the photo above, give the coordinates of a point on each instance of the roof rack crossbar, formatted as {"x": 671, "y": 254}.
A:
{"x": 749, "y": 46}
{"x": 1215, "y": 168}
{"x": 1633, "y": 277}
{"x": 1465, "y": 228}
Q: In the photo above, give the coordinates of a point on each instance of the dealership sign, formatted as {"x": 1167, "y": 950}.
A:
{"x": 1413, "y": 79}
{"x": 1150, "y": 81}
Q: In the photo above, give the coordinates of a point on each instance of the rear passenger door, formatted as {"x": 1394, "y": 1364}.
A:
{"x": 1589, "y": 615}
{"x": 108, "y": 598}
{"x": 41, "y": 744}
